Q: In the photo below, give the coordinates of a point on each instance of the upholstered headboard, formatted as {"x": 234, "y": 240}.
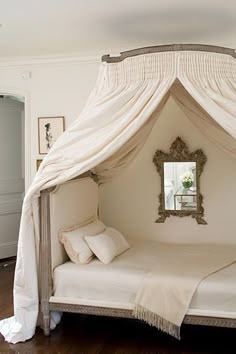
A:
{"x": 71, "y": 203}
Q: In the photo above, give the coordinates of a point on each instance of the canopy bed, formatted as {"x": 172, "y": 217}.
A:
{"x": 127, "y": 100}
{"x": 110, "y": 289}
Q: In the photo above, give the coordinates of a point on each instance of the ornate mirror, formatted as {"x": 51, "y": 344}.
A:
{"x": 180, "y": 172}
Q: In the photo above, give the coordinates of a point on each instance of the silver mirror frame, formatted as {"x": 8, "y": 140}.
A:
{"x": 179, "y": 152}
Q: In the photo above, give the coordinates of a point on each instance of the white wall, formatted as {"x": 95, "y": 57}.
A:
{"x": 11, "y": 174}
{"x": 130, "y": 202}
{"x": 51, "y": 88}
{"x": 56, "y": 88}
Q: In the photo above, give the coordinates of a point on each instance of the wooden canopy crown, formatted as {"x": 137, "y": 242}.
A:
{"x": 169, "y": 48}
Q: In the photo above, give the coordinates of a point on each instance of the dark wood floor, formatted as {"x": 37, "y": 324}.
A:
{"x": 91, "y": 334}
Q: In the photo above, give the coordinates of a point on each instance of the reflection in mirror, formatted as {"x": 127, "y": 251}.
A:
{"x": 180, "y": 192}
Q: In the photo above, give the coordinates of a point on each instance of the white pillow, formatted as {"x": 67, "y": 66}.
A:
{"x": 74, "y": 243}
{"x": 107, "y": 245}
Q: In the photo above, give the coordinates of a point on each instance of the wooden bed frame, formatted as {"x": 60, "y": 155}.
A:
{"x": 46, "y": 283}
{"x": 45, "y": 231}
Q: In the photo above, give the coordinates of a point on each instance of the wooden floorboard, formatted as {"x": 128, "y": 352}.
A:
{"x": 79, "y": 334}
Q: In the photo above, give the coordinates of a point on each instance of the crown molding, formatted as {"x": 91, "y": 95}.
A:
{"x": 49, "y": 60}
{"x": 71, "y": 58}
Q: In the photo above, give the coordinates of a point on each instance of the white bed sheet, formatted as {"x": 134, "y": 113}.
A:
{"x": 115, "y": 285}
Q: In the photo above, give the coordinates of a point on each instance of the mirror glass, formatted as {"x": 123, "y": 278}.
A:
{"x": 180, "y": 191}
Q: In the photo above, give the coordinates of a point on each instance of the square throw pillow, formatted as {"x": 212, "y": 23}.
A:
{"x": 74, "y": 243}
{"x": 107, "y": 245}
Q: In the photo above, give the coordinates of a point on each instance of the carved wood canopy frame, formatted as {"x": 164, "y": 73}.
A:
{"x": 169, "y": 48}
{"x": 179, "y": 152}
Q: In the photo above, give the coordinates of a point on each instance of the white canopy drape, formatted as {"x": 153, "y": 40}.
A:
{"x": 115, "y": 123}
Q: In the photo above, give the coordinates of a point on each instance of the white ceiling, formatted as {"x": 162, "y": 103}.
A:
{"x": 55, "y": 27}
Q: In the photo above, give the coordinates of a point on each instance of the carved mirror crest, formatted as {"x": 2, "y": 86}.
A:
{"x": 180, "y": 172}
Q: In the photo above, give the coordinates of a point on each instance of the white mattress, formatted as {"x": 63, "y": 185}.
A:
{"x": 115, "y": 285}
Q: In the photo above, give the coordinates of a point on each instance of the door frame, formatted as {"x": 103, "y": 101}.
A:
{"x": 27, "y": 128}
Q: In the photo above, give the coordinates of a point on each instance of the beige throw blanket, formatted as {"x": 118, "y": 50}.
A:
{"x": 165, "y": 293}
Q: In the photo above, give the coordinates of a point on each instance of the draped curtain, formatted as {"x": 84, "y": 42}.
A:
{"x": 202, "y": 120}
{"x": 115, "y": 123}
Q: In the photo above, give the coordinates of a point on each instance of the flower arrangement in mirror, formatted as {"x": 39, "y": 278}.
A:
{"x": 187, "y": 179}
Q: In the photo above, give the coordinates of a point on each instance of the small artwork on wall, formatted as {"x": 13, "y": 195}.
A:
{"x": 49, "y": 129}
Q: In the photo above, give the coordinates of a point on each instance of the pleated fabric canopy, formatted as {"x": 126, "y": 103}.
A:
{"x": 120, "y": 113}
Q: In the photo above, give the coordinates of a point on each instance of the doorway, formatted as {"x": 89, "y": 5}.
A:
{"x": 12, "y": 171}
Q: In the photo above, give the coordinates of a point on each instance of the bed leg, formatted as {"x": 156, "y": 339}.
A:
{"x": 46, "y": 325}
{"x": 46, "y": 319}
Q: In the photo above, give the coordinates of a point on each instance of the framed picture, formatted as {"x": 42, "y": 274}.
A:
{"x": 49, "y": 129}
{"x": 38, "y": 162}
